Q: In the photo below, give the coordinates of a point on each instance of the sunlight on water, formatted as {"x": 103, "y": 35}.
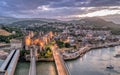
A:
{"x": 1, "y": 62}
{"x": 95, "y": 62}
{"x": 43, "y": 68}
{"x": 22, "y": 69}
{"x": 46, "y": 68}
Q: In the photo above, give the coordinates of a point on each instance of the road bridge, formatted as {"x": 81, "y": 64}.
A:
{"x": 59, "y": 62}
{"x": 32, "y": 70}
{"x": 9, "y": 65}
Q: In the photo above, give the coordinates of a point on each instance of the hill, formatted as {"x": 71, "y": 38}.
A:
{"x": 95, "y": 22}
{"x": 7, "y": 20}
{"x": 4, "y": 32}
{"x": 27, "y": 23}
{"x": 10, "y": 20}
{"x": 31, "y": 22}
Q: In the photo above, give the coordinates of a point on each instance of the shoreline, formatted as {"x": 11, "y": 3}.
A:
{"x": 81, "y": 52}
{"x": 46, "y": 59}
{"x": 40, "y": 60}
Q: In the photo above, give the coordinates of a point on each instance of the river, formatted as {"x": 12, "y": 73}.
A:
{"x": 92, "y": 63}
{"x": 46, "y": 68}
{"x": 22, "y": 68}
{"x": 95, "y": 62}
{"x": 43, "y": 68}
{"x": 1, "y": 62}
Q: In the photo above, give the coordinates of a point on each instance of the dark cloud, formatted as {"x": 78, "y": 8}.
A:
{"x": 85, "y": 3}
{"x": 54, "y": 8}
{"x": 104, "y": 3}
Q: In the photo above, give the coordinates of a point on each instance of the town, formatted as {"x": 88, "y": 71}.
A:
{"x": 59, "y": 37}
{"x": 64, "y": 42}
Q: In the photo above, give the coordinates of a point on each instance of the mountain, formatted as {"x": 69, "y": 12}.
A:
{"x": 24, "y": 22}
{"x": 44, "y": 19}
{"x": 95, "y": 21}
{"x": 27, "y": 23}
{"x": 10, "y": 20}
{"x": 7, "y": 20}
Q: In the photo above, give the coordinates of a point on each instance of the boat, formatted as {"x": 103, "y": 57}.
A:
{"x": 110, "y": 67}
{"x": 117, "y": 55}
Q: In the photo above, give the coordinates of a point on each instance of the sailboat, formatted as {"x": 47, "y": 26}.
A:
{"x": 110, "y": 66}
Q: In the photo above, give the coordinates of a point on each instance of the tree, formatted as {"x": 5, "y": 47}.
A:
{"x": 67, "y": 45}
{"x": 60, "y": 44}
{"x": 115, "y": 31}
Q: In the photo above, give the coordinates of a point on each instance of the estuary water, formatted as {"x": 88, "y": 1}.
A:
{"x": 92, "y": 63}
{"x": 95, "y": 62}
{"x": 1, "y": 62}
{"x": 43, "y": 68}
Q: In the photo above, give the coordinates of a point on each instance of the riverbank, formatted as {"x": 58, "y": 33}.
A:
{"x": 95, "y": 62}
{"x": 39, "y": 60}
{"x": 86, "y": 49}
{"x": 46, "y": 59}
{"x": 80, "y": 52}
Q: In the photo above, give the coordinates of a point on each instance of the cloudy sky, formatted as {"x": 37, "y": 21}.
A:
{"x": 61, "y": 9}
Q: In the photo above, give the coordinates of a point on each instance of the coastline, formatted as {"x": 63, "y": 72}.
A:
{"x": 84, "y": 50}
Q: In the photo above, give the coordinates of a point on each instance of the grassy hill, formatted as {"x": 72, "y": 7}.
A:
{"x": 27, "y": 23}
{"x": 4, "y": 32}
{"x": 98, "y": 23}
{"x": 10, "y": 20}
{"x": 95, "y": 22}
